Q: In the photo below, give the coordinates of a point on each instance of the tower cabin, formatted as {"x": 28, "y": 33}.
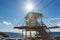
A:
{"x": 31, "y": 19}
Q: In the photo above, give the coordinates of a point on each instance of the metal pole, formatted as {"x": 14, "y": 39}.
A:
{"x": 22, "y": 34}
{"x": 41, "y": 22}
{"x": 30, "y": 35}
{"x": 26, "y": 35}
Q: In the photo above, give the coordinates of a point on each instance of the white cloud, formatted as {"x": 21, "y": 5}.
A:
{"x": 58, "y": 23}
{"x": 6, "y": 23}
{"x": 53, "y": 19}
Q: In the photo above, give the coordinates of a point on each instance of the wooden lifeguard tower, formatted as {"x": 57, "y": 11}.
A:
{"x": 32, "y": 24}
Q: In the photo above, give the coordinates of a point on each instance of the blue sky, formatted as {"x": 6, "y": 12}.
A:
{"x": 12, "y": 12}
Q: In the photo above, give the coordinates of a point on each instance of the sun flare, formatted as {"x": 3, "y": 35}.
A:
{"x": 29, "y": 6}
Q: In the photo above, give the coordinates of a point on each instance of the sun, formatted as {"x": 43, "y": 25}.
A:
{"x": 29, "y": 6}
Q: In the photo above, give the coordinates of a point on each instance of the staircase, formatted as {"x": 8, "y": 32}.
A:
{"x": 45, "y": 35}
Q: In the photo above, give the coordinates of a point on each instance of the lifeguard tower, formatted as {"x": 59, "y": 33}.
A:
{"x": 32, "y": 24}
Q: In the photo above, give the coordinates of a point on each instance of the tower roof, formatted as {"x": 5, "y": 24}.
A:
{"x": 33, "y": 15}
